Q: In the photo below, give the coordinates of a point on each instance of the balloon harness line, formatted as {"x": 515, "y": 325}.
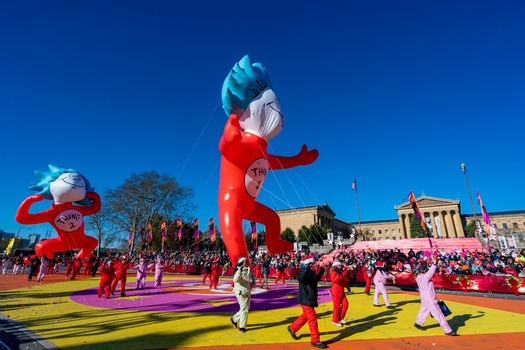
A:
{"x": 286, "y": 201}
{"x": 197, "y": 141}
{"x": 272, "y": 195}
{"x": 161, "y": 207}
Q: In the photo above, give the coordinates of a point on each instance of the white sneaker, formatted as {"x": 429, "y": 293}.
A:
{"x": 337, "y": 324}
{"x": 342, "y": 322}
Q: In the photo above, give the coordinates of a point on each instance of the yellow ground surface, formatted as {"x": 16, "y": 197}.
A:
{"x": 48, "y": 311}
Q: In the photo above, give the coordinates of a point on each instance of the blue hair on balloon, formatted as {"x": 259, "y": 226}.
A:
{"x": 242, "y": 85}
{"x": 47, "y": 177}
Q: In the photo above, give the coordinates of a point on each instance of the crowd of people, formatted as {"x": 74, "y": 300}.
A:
{"x": 458, "y": 261}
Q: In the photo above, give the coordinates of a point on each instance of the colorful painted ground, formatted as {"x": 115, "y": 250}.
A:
{"x": 183, "y": 313}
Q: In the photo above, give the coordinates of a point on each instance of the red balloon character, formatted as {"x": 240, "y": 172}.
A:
{"x": 73, "y": 198}
{"x": 254, "y": 118}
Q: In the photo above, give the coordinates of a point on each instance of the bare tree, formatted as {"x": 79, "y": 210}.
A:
{"x": 100, "y": 223}
{"x": 147, "y": 198}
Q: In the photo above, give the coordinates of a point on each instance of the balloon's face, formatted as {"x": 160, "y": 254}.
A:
{"x": 263, "y": 116}
{"x": 69, "y": 187}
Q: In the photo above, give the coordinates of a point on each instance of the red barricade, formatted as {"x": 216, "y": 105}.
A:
{"x": 465, "y": 283}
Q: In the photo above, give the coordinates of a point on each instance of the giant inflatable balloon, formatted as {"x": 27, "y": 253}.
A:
{"x": 73, "y": 198}
{"x": 254, "y": 118}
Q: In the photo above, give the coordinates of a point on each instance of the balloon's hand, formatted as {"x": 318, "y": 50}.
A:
{"x": 307, "y": 157}
{"x": 232, "y": 130}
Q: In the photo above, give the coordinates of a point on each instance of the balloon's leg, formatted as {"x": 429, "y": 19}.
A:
{"x": 231, "y": 229}
{"x": 272, "y": 223}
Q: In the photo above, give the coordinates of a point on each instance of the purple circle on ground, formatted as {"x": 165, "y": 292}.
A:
{"x": 191, "y": 296}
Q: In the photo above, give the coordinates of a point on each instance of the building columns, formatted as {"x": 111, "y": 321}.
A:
{"x": 402, "y": 225}
{"x": 443, "y": 225}
{"x": 407, "y": 226}
{"x": 433, "y": 223}
{"x": 450, "y": 226}
{"x": 459, "y": 228}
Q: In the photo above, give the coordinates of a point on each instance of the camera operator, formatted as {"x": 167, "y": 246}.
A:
{"x": 244, "y": 282}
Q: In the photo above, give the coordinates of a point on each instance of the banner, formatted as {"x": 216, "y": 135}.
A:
{"x": 253, "y": 225}
{"x": 415, "y": 207}
{"x": 196, "y": 237}
{"x": 422, "y": 222}
{"x": 163, "y": 235}
{"x": 179, "y": 226}
{"x": 9, "y": 246}
{"x": 489, "y": 228}
{"x": 211, "y": 227}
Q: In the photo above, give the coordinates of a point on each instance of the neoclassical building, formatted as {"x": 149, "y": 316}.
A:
{"x": 320, "y": 215}
{"x": 443, "y": 217}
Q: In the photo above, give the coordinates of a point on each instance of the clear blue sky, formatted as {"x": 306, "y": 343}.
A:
{"x": 396, "y": 94}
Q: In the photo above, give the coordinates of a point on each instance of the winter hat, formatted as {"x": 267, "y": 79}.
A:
{"x": 336, "y": 263}
{"x": 240, "y": 261}
{"x": 380, "y": 264}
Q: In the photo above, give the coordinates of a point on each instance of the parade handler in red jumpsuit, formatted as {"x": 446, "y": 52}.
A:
{"x": 216, "y": 270}
{"x": 340, "y": 303}
{"x": 122, "y": 269}
{"x": 107, "y": 274}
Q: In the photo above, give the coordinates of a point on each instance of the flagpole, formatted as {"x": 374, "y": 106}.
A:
{"x": 464, "y": 169}
{"x": 358, "y": 211}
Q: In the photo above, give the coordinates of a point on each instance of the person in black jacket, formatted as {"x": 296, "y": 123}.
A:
{"x": 34, "y": 262}
{"x": 307, "y": 298}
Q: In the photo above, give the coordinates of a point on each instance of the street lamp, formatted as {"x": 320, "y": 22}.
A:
{"x": 19, "y": 234}
{"x": 464, "y": 170}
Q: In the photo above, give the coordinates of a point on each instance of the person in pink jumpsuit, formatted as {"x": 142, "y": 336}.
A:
{"x": 428, "y": 299}
{"x": 380, "y": 278}
{"x": 44, "y": 264}
{"x": 340, "y": 303}
{"x": 141, "y": 273}
{"x": 159, "y": 271}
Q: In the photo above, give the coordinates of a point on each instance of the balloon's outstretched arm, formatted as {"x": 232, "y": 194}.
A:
{"x": 304, "y": 157}
{"x": 22, "y": 214}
